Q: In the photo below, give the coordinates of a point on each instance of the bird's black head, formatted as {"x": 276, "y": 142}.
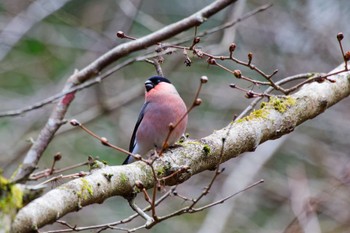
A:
{"x": 154, "y": 81}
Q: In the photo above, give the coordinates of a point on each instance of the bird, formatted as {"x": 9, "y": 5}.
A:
{"x": 163, "y": 106}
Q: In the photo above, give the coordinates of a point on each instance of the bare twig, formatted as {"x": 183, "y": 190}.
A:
{"x": 218, "y": 171}
{"x": 196, "y": 102}
{"x": 48, "y": 172}
{"x": 224, "y": 26}
{"x": 228, "y": 197}
{"x": 340, "y": 37}
{"x": 70, "y": 176}
{"x": 76, "y": 88}
{"x": 157, "y": 66}
{"x": 112, "y": 224}
{"x": 104, "y": 141}
{"x": 194, "y": 210}
{"x": 249, "y": 93}
{"x": 213, "y": 60}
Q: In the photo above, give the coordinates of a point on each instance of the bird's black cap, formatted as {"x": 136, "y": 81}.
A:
{"x": 154, "y": 81}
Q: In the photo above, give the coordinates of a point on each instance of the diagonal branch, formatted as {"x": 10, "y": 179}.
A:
{"x": 24, "y": 21}
{"x": 278, "y": 117}
{"x": 165, "y": 33}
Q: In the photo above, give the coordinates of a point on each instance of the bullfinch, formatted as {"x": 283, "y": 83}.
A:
{"x": 163, "y": 105}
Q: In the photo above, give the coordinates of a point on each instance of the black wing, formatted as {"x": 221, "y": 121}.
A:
{"x": 132, "y": 140}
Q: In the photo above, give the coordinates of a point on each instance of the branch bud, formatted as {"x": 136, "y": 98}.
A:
{"x": 347, "y": 56}
{"x": 204, "y": 79}
{"x": 82, "y": 174}
{"x": 211, "y": 61}
{"x": 104, "y": 141}
{"x": 249, "y": 94}
{"x": 120, "y": 34}
{"x": 137, "y": 157}
{"x": 232, "y": 47}
{"x": 237, "y": 73}
{"x": 57, "y": 156}
{"x": 197, "y": 102}
{"x": 340, "y": 36}
{"x": 250, "y": 56}
{"x": 74, "y": 122}
{"x": 171, "y": 126}
{"x": 196, "y": 40}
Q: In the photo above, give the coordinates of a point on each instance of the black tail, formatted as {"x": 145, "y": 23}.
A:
{"x": 126, "y": 160}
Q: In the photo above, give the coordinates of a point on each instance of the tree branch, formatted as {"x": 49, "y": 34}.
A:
{"x": 24, "y": 21}
{"x": 278, "y": 117}
{"x": 165, "y": 33}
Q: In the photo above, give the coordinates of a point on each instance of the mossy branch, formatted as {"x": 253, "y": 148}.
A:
{"x": 276, "y": 118}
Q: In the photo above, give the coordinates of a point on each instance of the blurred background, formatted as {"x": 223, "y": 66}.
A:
{"x": 306, "y": 173}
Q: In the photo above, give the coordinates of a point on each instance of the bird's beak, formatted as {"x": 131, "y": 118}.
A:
{"x": 148, "y": 85}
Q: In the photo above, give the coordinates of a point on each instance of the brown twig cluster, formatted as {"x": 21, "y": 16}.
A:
{"x": 272, "y": 85}
{"x": 215, "y": 61}
{"x": 52, "y": 171}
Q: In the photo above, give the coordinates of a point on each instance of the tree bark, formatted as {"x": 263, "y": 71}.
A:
{"x": 278, "y": 117}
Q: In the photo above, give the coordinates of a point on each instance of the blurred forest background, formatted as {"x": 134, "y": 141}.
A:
{"x": 42, "y": 43}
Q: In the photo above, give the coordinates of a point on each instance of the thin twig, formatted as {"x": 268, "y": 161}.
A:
{"x": 111, "y": 224}
{"x": 340, "y": 37}
{"x": 104, "y": 141}
{"x": 223, "y": 26}
{"x": 216, "y": 174}
{"x": 45, "y": 173}
{"x": 228, "y": 197}
{"x": 79, "y": 87}
{"x": 196, "y": 102}
{"x": 70, "y": 176}
{"x": 194, "y": 210}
